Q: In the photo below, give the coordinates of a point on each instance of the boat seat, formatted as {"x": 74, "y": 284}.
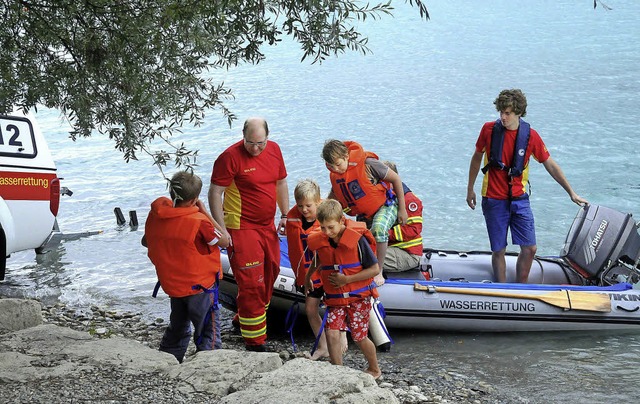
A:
{"x": 414, "y": 273}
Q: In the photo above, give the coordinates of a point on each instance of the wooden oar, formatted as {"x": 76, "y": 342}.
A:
{"x": 566, "y": 299}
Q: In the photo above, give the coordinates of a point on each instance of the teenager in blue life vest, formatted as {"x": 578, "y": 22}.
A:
{"x": 507, "y": 144}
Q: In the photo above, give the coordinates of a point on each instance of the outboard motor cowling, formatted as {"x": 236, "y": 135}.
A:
{"x": 599, "y": 239}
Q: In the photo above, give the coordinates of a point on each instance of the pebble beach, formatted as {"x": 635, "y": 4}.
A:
{"x": 111, "y": 385}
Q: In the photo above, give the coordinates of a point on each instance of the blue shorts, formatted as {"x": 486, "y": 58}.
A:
{"x": 502, "y": 214}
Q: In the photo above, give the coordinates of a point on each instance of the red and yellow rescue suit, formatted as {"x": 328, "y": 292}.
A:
{"x": 250, "y": 198}
{"x": 346, "y": 259}
{"x": 409, "y": 236}
{"x": 299, "y": 255}
{"x": 353, "y": 188}
{"x": 170, "y": 233}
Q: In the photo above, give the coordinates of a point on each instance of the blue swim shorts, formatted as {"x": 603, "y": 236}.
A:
{"x": 502, "y": 214}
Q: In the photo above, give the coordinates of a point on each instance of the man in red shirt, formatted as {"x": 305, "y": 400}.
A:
{"x": 507, "y": 144}
{"x": 252, "y": 176}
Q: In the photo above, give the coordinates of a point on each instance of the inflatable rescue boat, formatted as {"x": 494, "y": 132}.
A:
{"x": 594, "y": 284}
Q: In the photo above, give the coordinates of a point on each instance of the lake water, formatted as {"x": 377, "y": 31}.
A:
{"x": 420, "y": 100}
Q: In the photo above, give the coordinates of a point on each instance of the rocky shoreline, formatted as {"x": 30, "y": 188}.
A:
{"x": 407, "y": 385}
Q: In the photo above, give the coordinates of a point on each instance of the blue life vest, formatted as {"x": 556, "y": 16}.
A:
{"x": 519, "y": 149}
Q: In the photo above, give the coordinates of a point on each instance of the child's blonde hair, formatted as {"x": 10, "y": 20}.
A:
{"x": 307, "y": 189}
{"x": 184, "y": 186}
{"x": 329, "y": 209}
{"x": 333, "y": 150}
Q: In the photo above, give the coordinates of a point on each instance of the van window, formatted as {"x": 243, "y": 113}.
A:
{"x": 17, "y": 138}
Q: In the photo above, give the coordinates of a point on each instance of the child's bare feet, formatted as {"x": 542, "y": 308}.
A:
{"x": 376, "y": 373}
{"x": 379, "y": 279}
{"x": 343, "y": 341}
{"x": 319, "y": 353}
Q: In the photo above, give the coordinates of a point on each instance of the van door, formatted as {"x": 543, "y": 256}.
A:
{"x": 29, "y": 186}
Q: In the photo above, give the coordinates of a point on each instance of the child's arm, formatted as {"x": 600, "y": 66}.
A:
{"x": 338, "y": 280}
{"x": 308, "y": 284}
{"x": 223, "y": 239}
{"x": 368, "y": 261}
{"x": 394, "y": 179}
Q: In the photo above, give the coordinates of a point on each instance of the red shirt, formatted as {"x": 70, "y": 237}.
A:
{"x": 496, "y": 182}
{"x": 250, "y": 195}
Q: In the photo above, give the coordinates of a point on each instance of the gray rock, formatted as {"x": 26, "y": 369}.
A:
{"x": 18, "y": 314}
{"x": 300, "y": 380}
{"x": 121, "y": 368}
{"x": 52, "y": 351}
{"x": 214, "y": 372}
{"x": 48, "y": 364}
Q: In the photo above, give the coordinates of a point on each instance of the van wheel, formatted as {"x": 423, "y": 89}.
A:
{"x": 3, "y": 253}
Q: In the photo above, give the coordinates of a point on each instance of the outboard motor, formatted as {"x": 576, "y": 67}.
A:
{"x": 603, "y": 245}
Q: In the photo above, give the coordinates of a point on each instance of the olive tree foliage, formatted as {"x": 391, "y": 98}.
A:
{"x": 135, "y": 70}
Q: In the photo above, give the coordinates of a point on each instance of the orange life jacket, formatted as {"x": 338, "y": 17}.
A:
{"x": 299, "y": 255}
{"x": 409, "y": 236}
{"x": 346, "y": 259}
{"x": 353, "y": 189}
{"x": 170, "y": 233}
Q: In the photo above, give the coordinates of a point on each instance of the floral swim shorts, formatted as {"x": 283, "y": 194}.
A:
{"x": 355, "y": 315}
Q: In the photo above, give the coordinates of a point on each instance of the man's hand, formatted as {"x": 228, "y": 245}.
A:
{"x": 226, "y": 233}
{"x": 282, "y": 226}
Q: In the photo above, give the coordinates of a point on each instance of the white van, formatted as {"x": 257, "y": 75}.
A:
{"x": 29, "y": 187}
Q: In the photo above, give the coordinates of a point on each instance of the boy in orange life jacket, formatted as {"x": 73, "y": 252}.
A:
{"x": 356, "y": 182}
{"x": 347, "y": 265}
{"x": 405, "y": 241}
{"x": 301, "y": 222}
{"x": 182, "y": 240}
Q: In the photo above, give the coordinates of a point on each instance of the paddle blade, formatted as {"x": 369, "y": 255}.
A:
{"x": 564, "y": 299}
{"x": 589, "y": 301}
